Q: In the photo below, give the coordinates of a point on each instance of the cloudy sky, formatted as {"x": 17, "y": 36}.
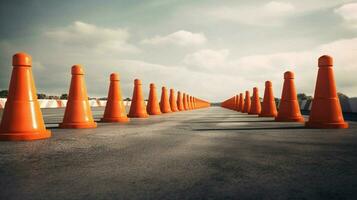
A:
{"x": 210, "y": 49}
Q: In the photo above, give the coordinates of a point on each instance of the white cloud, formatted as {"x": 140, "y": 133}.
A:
{"x": 270, "y": 14}
{"x": 349, "y": 13}
{"x": 207, "y": 59}
{"x": 256, "y": 69}
{"x": 179, "y": 38}
{"x": 80, "y": 34}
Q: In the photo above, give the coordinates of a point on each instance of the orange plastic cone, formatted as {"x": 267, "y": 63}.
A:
{"x": 114, "y": 109}
{"x": 247, "y": 102}
{"x": 78, "y": 113}
{"x": 153, "y": 107}
{"x": 164, "y": 103}
{"x": 22, "y": 118}
{"x": 138, "y": 107}
{"x": 268, "y": 105}
{"x": 194, "y": 102}
{"x": 289, "y": 110}
{"x": 241, "y": 102}
{"x": 236, "y": 103}
{"x": 185, "y": 106}
{"x": 326, "y": 109}
{"x": 172, "y": 100}
{"x": 255, "y": 108}
{"x": 190, "y": 102}
{"x": 179, "y": 101}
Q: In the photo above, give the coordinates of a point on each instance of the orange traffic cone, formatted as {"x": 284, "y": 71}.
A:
{"x": 153, "y": 107}
{"x": 194, "y": 102}
{"x": 164, "y": 103}
{"x": 289, "y": 110}
{"x": 114, "y": 109}
{"x": 22, "y": 117}
{"x": 241, "y": 104}
{"x": 236, "y": 103}
{"x": 172, "y": 100}
{"x": 137, "y": 107}
{"x": 185, "y": 106}
{"x": 269, "y": 106}
{"x": 179, "y": 101}
{"x": 255, "y": 109}
{"x": 190, "y": 102}
{"x": 247, "y": 102}
{"x": 326, "y": 109}
{"x": 78, "y": 113}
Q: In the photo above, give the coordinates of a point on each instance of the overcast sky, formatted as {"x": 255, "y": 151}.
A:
{"x": 210, "y": 49}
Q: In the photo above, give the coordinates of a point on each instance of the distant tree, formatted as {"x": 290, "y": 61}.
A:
{"x": 342, "y": 96}
{"x": 127, "y": 99}
{"x": 303, "y": 96}
{"x": 4, "y": 93}
{"x": 64, "y": 96}
{"x": 41, "y": 96}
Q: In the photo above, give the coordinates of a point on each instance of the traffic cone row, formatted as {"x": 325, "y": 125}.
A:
{"x": 325, "y": 110}
{"x": 22, "y": 118}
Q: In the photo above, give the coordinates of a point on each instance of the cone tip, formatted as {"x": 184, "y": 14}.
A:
{"x": 21, "y": 59}
{"x": 137, "y": 82}
{"x": 152, "y": 85}
{"x": 325, "y": 60}
{"x": 77, "y": 70}
{"x": 268, "y": 84}
{"x": 163, "y": 88}
{"x": 114, "y": 77}
{"x": 255, "y": 89}
{"x": 288, "y": 75}
{"x": 172, "y": 90}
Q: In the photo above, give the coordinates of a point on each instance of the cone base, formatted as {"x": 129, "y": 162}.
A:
{"x": 155, "y": 113}
{"x": 78, "y": 125}
{"x": 138, "y": 115}
{"x": 337, "y": 125}
{"x": 297, "y": 119}
{"x": 266, "y": 115}
{"x": 25, "y": 136}
{"x": 121, "y": 119}
{"x": 253, "y": 113}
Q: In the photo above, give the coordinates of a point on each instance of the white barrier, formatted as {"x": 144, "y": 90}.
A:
{"x": 57, "y": 103}
{"x": 2, "y": 102}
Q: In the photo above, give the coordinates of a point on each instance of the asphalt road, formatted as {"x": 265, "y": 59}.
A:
{"x": 210, "y": 153}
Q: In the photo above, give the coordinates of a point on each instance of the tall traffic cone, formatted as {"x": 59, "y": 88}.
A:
{"x": 179, "y": 101}
{"x": 289, "y": 110}
{"x": 268, "y": 106}
{"x": 22, "y": 118}
{"x": 255, "y": 108}
{"x": 172, "y": 100}
{"x": 78, "y": 113}
{"x": 236, "y": 103}
{"x": 164, "y": 103}
{"x": 241, "y": 102}
{"x": 114, "y": 109}
{"x": 184, "y": 99}
{"x": 326, "y": 109}
{"x": 190, "y": 103}
{"x": 247, "y": 102}
{"x": 137, "y": 107}
{"x": 153, "y": 107}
